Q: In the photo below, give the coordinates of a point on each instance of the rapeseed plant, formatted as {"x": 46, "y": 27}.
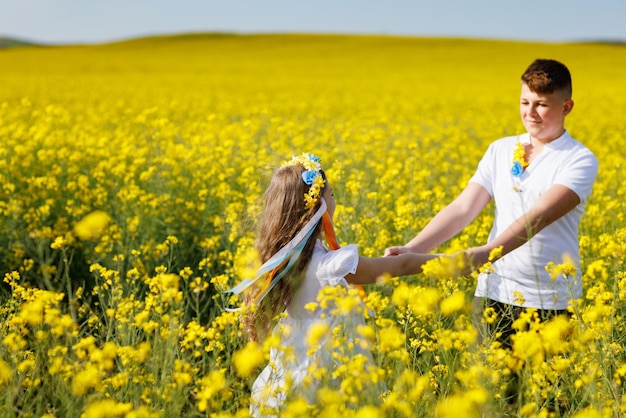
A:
{"x": 131, "y": 175}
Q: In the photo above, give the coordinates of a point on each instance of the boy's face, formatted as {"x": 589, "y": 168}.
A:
{"x": 543, "y": 115}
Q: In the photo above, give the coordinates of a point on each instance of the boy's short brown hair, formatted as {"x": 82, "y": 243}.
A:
{"x": 547, "y": 76}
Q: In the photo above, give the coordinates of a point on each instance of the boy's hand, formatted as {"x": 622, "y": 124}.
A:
{"x": 473, "y": 259}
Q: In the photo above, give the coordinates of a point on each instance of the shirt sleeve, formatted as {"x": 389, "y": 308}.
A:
{"x": 580, "y": 174}
{"x": 484, "y": 171}
{"x": 337, "y": 264}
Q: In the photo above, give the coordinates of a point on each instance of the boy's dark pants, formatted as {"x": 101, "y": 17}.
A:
{"x": 506, "y": 315}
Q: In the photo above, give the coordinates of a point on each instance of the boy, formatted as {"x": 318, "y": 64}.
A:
{"x": 540, "y": 181}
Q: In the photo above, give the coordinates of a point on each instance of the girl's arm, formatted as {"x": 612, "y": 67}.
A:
{"x": 370, "y": 269}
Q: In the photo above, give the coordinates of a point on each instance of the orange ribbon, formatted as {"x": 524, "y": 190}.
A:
{"x": 331, "y": 240}
{"x": 269, "y": 279}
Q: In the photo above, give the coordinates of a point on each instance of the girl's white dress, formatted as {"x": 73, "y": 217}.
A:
{"x": 293, "y": 361}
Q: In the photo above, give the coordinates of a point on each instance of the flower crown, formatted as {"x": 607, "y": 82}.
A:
{"x": 311, "y": 176}
{"x": 519, "y": 163}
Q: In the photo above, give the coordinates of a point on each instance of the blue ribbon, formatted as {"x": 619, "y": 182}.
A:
{"x": 290, "y": 253}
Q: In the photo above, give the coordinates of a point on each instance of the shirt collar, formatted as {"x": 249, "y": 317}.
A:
{"x": 560, "y": 141}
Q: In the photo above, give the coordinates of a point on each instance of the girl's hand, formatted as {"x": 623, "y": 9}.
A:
{"x": 396, "y": 251}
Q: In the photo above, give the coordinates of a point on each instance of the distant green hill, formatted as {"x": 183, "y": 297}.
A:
{"x": 13, "y": 43}
{"x": 9, "y": 42}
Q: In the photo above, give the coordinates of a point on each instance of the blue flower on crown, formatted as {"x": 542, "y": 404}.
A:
{"x": 309, "y": 176}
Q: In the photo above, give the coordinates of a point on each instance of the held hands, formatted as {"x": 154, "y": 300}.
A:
{"x": 473, "y": 259}
{"x": 460, "y": 263}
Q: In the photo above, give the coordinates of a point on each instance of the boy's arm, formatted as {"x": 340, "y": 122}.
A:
{"x": 370, "y": 269}
{"x": 448, "y": 222}
{"x": 553, "y": 204}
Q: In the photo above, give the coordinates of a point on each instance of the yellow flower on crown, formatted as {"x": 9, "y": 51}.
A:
{"x": 311, "y": 176}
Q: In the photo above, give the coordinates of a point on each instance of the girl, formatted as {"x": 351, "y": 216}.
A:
{"x": 298, "y": 281}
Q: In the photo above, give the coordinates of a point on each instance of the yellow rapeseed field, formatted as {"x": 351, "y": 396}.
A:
{"x": 131, "y": 177}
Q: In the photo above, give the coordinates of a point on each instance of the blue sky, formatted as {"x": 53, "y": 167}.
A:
{"x": 91, "y": 21}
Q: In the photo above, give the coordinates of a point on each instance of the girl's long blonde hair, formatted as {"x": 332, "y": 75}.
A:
{"x": 284, "y": 215}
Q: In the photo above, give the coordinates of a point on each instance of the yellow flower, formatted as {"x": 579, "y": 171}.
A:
{"x": 367, "y": 331}
{"x": 198, "y": 285}
{"x": 519, "y": 160}
{"x": 560, "y": 364}
{"x": 348, "y": 303}
{"x": 6, "y": 373}
{"x": 391, "y": 339}
{"x": 496, "y": 253}
{"x": 588, "y": 412}
{"x": 449, "y": 266}
{"x": 182, "y": 375}
{"x": 369, "y": 411}
{"x": 85, "y": 380}
{"x": 220, "y": 282}
{"x": 14, "y": 342}
{"x": 247, "y": 359}
{"x": 527, "y": 346}
{"x": 107, "y": 408}
{"x": 401, "y": 295}
{"x": 462, "y": 404}
{"x": 26, "y": 365}
{"x": 316, "y": 332}
{"x": 298, "y": 408}
{"x": 211, "y": 391}
{"x": 92, "y": 226}
{"x": 566, "y": 270}
{"x": 453, "y": 303}
{"x": 424, "y": 300}
{"x": 33, "y": 312}
{"x": 490, "y": 315}
{"x": 555, "y": 334}
{"x": 58, "y": 243}
{"x": 528, "y": 409}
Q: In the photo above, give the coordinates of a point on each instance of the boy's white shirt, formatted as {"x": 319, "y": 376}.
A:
{"x": 520, "y": 277}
